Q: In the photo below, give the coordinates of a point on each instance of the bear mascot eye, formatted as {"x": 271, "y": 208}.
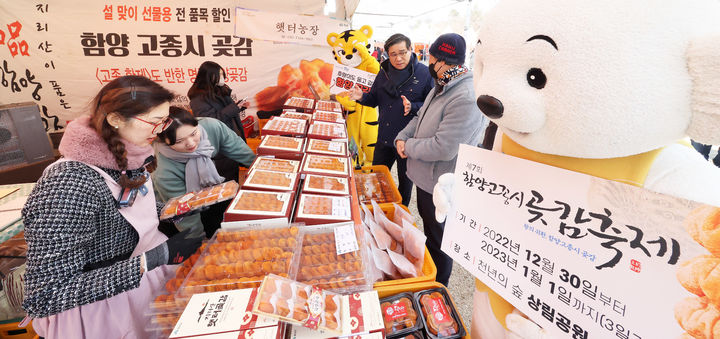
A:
{"x": 536, "y": 78}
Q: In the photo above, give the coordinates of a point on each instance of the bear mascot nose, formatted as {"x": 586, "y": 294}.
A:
{"x": 349, "y": 56}
{"x": 490, "y": 106}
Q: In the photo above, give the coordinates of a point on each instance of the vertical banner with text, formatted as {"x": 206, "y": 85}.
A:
{"x": 584, "y": 257}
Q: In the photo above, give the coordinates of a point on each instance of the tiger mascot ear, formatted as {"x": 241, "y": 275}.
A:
{"x": 332, "y": 39}
{"x": 367, "y": 31}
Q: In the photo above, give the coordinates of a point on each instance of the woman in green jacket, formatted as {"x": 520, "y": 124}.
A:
{"x": 185, "y": 152}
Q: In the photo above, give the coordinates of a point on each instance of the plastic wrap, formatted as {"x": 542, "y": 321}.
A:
{"x": 278, "y": 165}
{"x": 196, "y": 200}
{"x": 320, "y": 184}
{"x": 331, "y": 106}
{"x": 395, "y": 230}
{"x": 270, "y": 180}
{"x": 414, "y": 244}
{"x": 401, "y": 314}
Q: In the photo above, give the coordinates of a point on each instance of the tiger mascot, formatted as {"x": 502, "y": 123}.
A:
{"x": 352, "y": 48}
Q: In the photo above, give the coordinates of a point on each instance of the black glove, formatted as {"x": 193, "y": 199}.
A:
{"x": 173, "y": 251}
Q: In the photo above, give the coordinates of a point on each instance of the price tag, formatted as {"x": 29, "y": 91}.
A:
{"x": 341, "y": 207}
{"x": 335, "y": 146}
{"x": 345, "y": 239}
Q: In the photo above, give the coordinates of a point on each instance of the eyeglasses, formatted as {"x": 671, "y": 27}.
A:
{"x": 163, "y": 125}
{"x": 401, "y": 53}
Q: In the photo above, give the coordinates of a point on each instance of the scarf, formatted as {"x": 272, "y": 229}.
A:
{"x": 81, "y": 142}
{"x": 200, "y": 171}
{"x": 451, "y": 73}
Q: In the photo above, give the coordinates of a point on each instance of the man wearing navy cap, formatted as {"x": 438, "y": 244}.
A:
{"x": 449, "y": 117}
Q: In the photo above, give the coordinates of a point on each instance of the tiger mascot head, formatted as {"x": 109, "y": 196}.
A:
{"x": 351, "y": 47}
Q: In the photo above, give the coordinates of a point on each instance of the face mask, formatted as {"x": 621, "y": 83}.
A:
{"x": 221, "y": 82}
{"x": 433, "y": 72}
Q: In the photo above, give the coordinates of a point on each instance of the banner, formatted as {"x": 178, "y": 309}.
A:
{"x": 59, "y": 54}
{"x": 344, "y": 78}
{"x": 283, "y": 27}
{"x": 582, "y": 256}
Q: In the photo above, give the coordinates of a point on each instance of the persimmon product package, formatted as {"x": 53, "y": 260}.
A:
{"x": 336, "y": 117}
{"x": 195, "y": 200}
{"x": 321, "y": 184}
{"x": 374, "y": 186}
{"x": 315, "y": 209}
{"x": 221, "y": 312}
{"x": 236, "y": 259}
{"x": 270, "y": 181}
{"x": 281, "y": 147}
{"x": 330, "y": 106}
{"x": 333, "y": 268}
{"x": 285, "y": 127}
{"x": 325, "y": 165}
{"x": 438, "y": 314}
{"x": 300, "y": 104}
{"x": 296, "y": 115}
{"x": 401, "y": 314}
{"x": 271, "y": 163}
{"x": 316, "y": 312}
{"x": 326, "y": 147}
{"x": 251, "y": 205}
{"x": 327, "y": 130}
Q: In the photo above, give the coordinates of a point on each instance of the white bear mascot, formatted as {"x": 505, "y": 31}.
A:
{"x": 608, "y": 88}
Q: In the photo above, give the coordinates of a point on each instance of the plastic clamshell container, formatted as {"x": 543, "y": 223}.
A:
{"x": 321, "y": 265}
{"x": 250, "y": 205}
{"x": 313, "y": 209}
{"x": 297, "y": 303}
{"x": 326, "y": 147}
{"x": 438, "y": 310}
{"x": 285, "y": 127}
{"x": 320, "y": 115}
{"x": 300, "y": 104}
{"x": 321, "y": 184}
{"x": 236, "y": 259}
{"x": 413, "y": 335}
{"x": 386, "y": 291}
{"x": 325, "y": 105}
{"x": 429, "y": 270}
{"x": 270, "y": 181}
{"x": 325, "y": 165}
{"x": 296, "y": 115}
{"x": 195, "y": 200}
{"x": 282, "y": 147}
{"x": 271, "y": 163}
{"x": 401, "y": 314}
{"x": 327, "y": 130}
{"x": 376, "y": 182}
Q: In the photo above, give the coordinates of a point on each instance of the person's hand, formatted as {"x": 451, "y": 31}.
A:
{"x": 245, "y": 104}
{"x": 442, "y": 196}
{"x": 406, "y": 104}
{"x": 356, "y": 93}
{"x": 173, "y": 251}
{"x": 400, "y": 146}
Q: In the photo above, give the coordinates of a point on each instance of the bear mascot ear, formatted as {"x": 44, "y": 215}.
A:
{"x": 367, "y": 30}
{"x": 332, "y": 39}
{"x": 703, "y": 61}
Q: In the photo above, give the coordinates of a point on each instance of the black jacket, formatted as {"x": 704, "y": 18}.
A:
{"x": 386, "y": 96}
{"x": 222, "y": 108}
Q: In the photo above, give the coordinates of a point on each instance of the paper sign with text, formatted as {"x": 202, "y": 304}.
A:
{"x": 583, "y": 257}
{"x": 344, "y": 78}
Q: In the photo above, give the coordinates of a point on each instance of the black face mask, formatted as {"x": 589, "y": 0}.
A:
{"x": 433, "y": 72}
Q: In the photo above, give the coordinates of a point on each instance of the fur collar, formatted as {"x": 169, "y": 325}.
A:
{"x": 82, "y": 143}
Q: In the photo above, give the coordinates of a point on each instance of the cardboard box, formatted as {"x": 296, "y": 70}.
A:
{"x": 326, "y": 147}
{"x": 319, "y": 115}
{"x": 327, "y": 130}
{"x": 325, "y": 165}
{"x": 281, "y": 147}
{"x": 331, "y": 106}
{"x": 220, "y": 312}
{"x": 271, "y": 163}
{"x": 285, "y": 127}
{"x": 263, "y": 180}
{"x": 316, "y": 209}
{"x": 321, "y": 184}
{"x": 255, "y": 205}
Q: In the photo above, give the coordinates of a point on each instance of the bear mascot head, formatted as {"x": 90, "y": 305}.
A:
{"x": 608, "y": 88}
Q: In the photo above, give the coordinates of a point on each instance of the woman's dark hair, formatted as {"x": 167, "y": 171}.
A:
{"x": 206, "y": 81}
{"x": 127, "y": 96}
{"x": 179, "y": 117}
{"x": 395, "y": 38}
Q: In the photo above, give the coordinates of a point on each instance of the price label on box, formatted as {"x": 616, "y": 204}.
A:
{"x": 345, "y": 239}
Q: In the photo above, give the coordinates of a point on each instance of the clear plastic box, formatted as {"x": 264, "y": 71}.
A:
{"x": 326, "y": 147}
{"x": 327, "y": 130}
{"x": 270, "y": 163}
{"x": 332, "y": 106}
{"x": 270, "y": 180}
{"x": 320, "y": 184}
{"x": 195, "y": 200}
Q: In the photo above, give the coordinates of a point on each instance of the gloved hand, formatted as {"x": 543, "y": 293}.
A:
{"x": 523, "y": 328}
{"x": 173, "y": 251}
{"x": 442, "y": 196}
